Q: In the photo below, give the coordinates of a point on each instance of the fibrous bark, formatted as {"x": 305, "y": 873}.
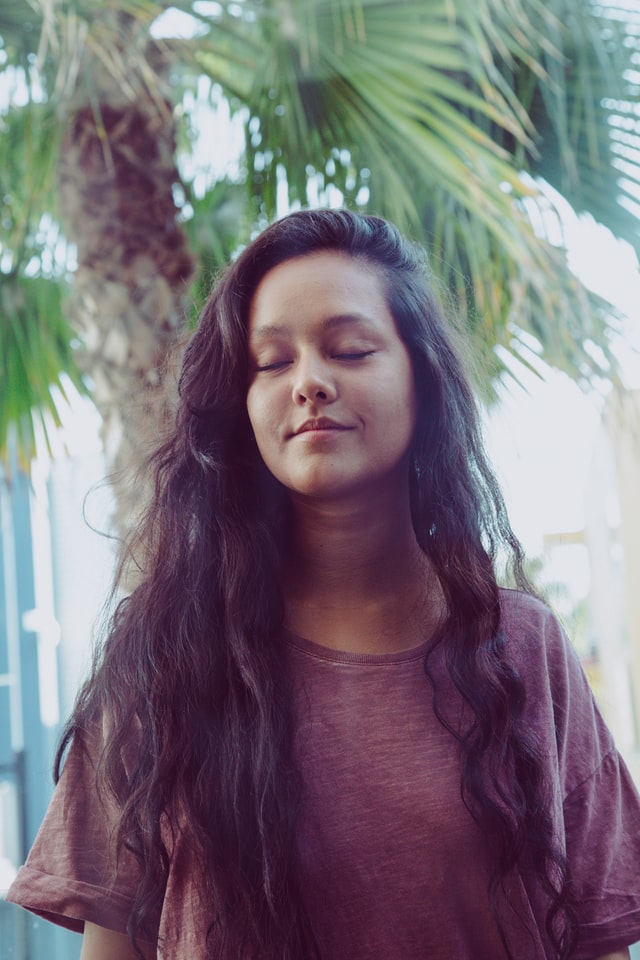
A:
{"x": 118, "y": 177}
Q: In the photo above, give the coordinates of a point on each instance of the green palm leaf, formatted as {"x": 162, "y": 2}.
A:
{"x": 35, "y": 349}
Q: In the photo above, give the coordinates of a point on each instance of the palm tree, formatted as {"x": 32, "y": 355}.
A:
{"x": 35, "y": 337}
{"x": 440, "y": 114}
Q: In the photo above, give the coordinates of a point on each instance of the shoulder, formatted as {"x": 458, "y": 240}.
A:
{"x": 536, "y": 639}
{"x": 538, "y": 646}
{"x": 560, "y": 707}
{"x": 523, "y": 614}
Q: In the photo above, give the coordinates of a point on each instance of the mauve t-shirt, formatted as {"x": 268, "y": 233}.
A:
{"x": 392, "y": 865}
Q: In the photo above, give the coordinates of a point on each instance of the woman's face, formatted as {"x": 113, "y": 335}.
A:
{"x": 331, "y": 395}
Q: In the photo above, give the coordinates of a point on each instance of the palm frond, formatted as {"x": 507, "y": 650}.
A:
{"x": 321, "y": 88}
{"x": 503, "y": 296}
{"x": 29, "y": 141}
{"x": 584, "y": 108}
{"x": 36, "y": 348}
{"x": 218, "y": 226}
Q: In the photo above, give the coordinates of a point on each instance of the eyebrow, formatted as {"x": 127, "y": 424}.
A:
{"x": 265, "y": 331}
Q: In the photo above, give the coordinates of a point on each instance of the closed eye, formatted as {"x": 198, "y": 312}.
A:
{"x": 275, "y": 365}
{"x": 360, "y": 355}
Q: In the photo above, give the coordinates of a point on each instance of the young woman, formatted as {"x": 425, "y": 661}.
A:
{"x": 318, "y": 730}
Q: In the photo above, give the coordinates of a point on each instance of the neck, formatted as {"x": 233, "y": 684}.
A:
{"x": 356, "y": 578}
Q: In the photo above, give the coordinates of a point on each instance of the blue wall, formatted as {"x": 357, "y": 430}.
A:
{"x": 27, "y": 744}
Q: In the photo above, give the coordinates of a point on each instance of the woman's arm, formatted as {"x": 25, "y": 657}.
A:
{"x": 619, "y": 955}
{"x": 98, "y": 943}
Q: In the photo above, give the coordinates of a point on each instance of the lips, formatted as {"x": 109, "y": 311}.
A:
{"x": 319, "y": 424}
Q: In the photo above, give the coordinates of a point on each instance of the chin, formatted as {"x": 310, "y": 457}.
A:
{"x": 318, "y": 488}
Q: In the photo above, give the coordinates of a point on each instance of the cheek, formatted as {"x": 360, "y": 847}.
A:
{"x": 251, "y": 411}
{"x": 256, "y": 410}
{"x": 261, "y": 416}
{"x": 412, "y": 408}
{"x": 404, "y": 410}
{"x": 411, "y": 395}
{"x": 404, "y": 418}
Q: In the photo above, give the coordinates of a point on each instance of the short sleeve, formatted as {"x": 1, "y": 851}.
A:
{"x": 602, "y": 827}
{"x": 71, "y": 874}
{"x": 596, "y": 805}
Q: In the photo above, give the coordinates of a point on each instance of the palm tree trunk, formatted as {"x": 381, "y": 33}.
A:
{"x": 118, "y": 177}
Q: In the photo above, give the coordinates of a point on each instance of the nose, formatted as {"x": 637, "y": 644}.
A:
{"x": 313, "y": 382}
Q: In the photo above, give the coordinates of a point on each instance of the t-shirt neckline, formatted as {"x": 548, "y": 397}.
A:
{"x": 320, "y": 652}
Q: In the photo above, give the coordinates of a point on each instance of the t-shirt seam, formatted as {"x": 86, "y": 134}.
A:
{"x": 355, "y": 659}
{"x": 610, "y": 753}
{"x": 108, "y": 892}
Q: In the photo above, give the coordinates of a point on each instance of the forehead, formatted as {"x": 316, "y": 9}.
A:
{"x": 319, "y": 286}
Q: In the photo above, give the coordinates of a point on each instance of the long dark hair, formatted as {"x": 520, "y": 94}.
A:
{"x": 191, "y": 667}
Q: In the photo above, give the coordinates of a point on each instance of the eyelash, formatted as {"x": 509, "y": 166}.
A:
{"x": 278, "y": 364}
{"x": 360, "y": 355}
{"x": 272, "y": 366}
